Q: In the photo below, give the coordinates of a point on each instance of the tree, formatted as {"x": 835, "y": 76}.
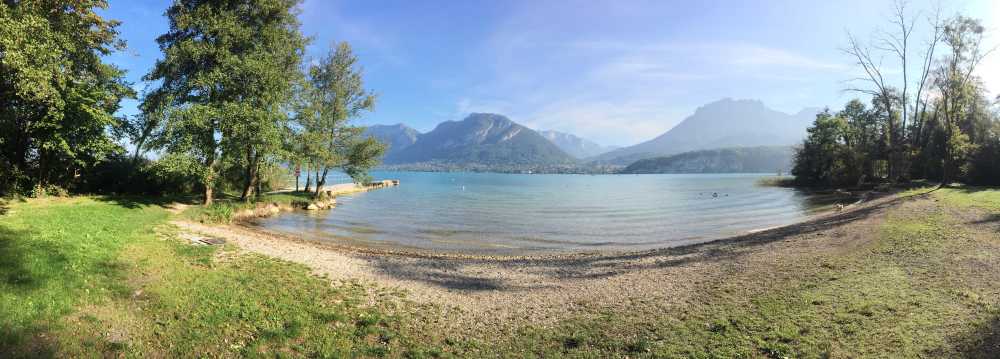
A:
{"x": 894, "y": 98}
{"x": 57, "y": 96}
{"x": 227, "y": 72}
{"x": 334, "y": 96}
{"x": 862, "y": 139}
{"x": 822, "y": 159}
{"x": 958, "y": 87}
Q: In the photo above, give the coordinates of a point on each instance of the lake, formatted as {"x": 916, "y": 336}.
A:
{"x": 491, "y": 213}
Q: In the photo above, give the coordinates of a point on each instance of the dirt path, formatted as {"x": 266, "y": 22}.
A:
{"x": 511, "y": 290}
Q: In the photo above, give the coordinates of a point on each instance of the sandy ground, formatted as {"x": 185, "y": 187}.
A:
{"x": 544, "y": 289}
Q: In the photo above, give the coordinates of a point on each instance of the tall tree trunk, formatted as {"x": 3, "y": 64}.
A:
{"x": 297, "y": 172}
{"x": 946, "y": 161}
{"x": 308, "y": 179}
{"x": 209, "y": 181}
{"x": 251, "y": 175}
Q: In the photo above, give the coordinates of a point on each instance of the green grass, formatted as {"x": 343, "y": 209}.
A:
{"x": 93, "y": 277}
{"x": 57, "y": 254}
{"x": 224, "y": 209}
{"x": 974, "y": 197}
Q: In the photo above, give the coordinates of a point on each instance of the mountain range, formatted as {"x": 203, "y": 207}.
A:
{"x": 576, "y": 146}
{"x": 398, "y": 137}
{"x": 484, "y": 141}
{"x": 721, "y": 124}
{"x": 481, "y": 138}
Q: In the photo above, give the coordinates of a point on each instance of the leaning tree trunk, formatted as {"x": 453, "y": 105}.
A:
{"x": 321, "y": 180}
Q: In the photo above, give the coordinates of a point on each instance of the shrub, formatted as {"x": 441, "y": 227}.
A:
{"x": 119, "y": 174}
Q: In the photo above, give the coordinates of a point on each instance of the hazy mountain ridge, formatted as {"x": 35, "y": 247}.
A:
{"x": 481, "y": 139}
{"x": 398, "y": 137}
{"x": 725, "y": 160}
{"x": 721, "y": 124}
{"x": 576, "y": 146}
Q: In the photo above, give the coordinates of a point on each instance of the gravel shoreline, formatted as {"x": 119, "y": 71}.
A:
{"x": 491, "y": 292}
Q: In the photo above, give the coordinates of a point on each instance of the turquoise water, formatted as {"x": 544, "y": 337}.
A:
{"x": 513, "y": 213}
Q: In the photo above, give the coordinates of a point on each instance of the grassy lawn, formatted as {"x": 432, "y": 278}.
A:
{"x": 92, "y": 276}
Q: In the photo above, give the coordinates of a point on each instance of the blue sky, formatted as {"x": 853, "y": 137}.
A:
{"x": 617, "y": 72}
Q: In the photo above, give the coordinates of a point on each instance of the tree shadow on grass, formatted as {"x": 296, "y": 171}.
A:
{"x": 135, "y": 201}
{"x": 993, "y": 218}
{"x": 19, "y": 278}
{"x": 466, "y": 274}
{"x": 982, "y": 343}
{"x": 15, "y": 250}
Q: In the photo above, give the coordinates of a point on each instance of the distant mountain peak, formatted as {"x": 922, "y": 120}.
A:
{"x": 723, "y": 123}
{"x": 481, "y": 139}
{"x": 397, "y": 137}
{"x": 574, "y": 145}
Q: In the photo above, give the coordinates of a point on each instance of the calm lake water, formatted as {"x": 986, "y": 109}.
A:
{"x": 512, "y": 213}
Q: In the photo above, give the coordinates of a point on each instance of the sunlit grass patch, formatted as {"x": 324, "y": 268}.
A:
{"x": 84, "y": 277}
{"x": 58, "y": 253}
{"x": 976, "y": 197}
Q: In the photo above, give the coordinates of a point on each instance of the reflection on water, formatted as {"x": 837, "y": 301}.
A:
{"x": 510, "y": 213}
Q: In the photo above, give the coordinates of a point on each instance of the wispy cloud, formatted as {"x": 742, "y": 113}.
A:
{"x": 755, "y": 55}
{"x": 325, "y": 22}
{"x": 623, "y": 92}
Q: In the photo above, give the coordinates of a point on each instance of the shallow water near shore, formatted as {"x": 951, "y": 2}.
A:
{"x": 490, "y": 213}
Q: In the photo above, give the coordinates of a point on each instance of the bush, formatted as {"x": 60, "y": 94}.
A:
{"x": 119, "y": 174}
{"x": 40, "y": 191}
{"x": 218, "y": 213}
{"x": 11, "y": 179}
{"x": 984, "y": 164}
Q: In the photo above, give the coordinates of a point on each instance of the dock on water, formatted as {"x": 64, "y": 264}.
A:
{"x": 327, "y": 195}
{"x": 345, "y": 188}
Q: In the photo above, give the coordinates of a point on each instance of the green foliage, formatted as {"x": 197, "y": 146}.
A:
{"x": 57, "y": 96}
{"x": 363, "y": 155}
{"x": 224, "y": 210}
{"x": 825, "y": 158}
{"x": 226, "y": 76}
{"x": 333, "y": 96}
{"x": 119, "y": 174}
{"x": 950, "y": 135}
